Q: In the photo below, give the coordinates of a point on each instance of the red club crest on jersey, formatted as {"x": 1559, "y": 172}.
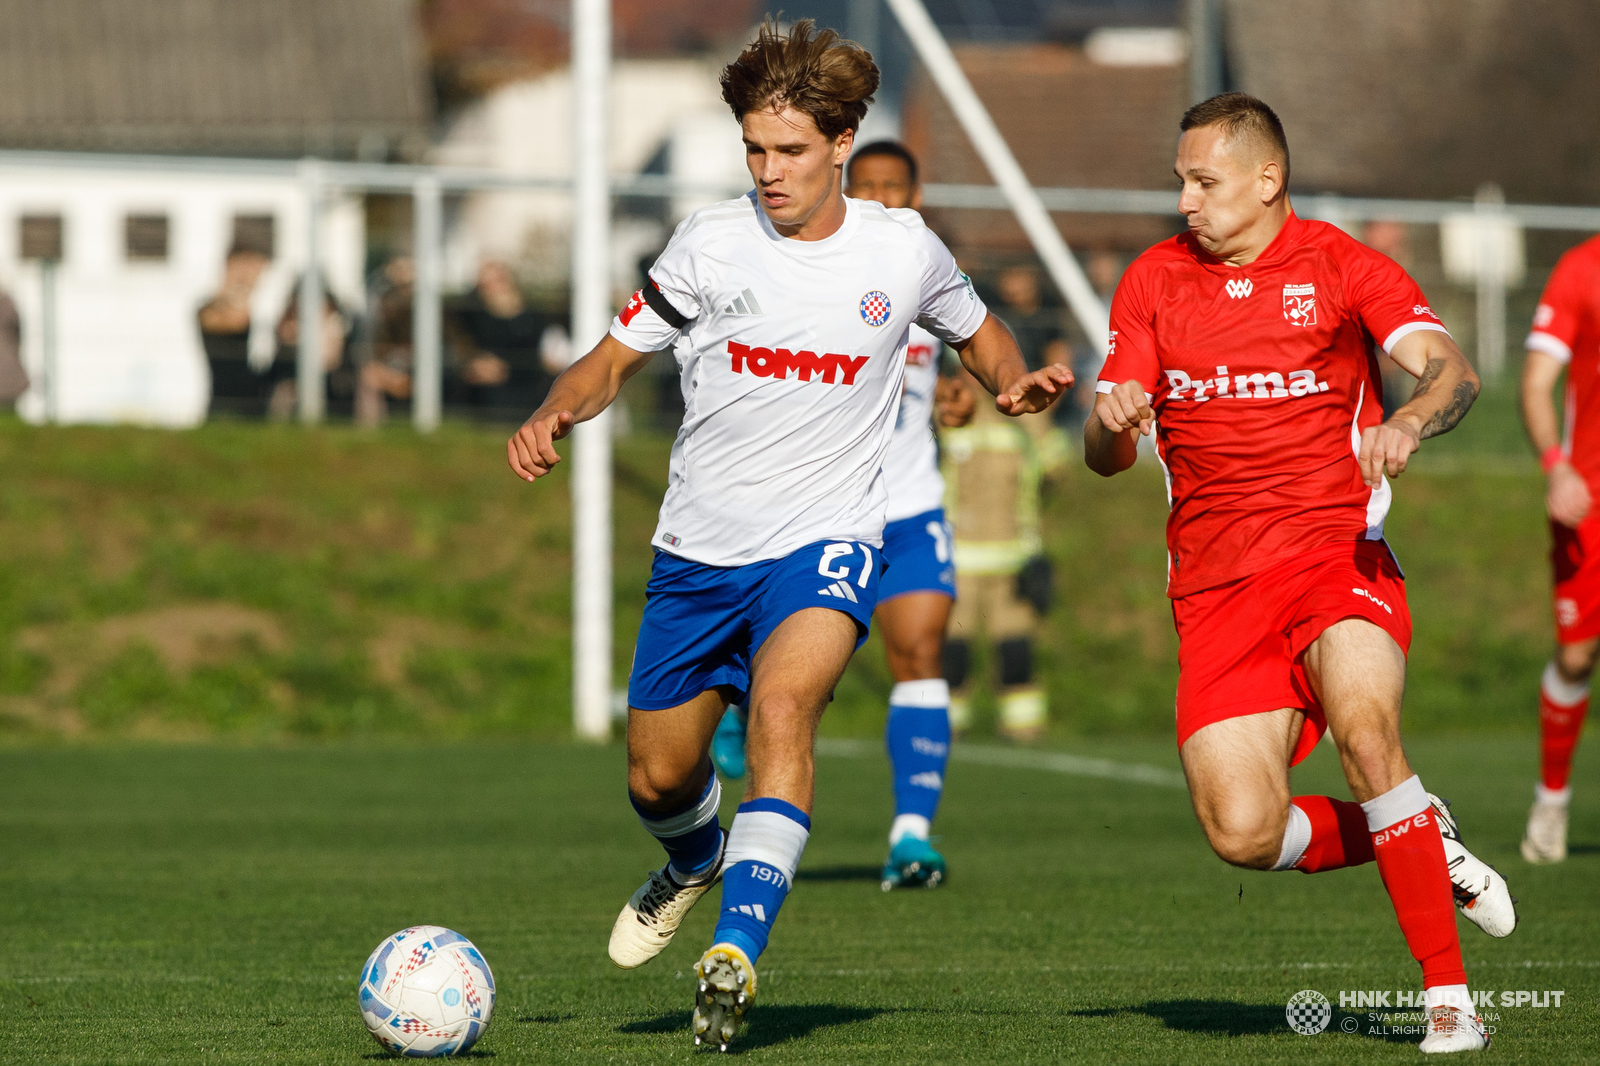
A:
{"x": 635, "y": 305}
{"x": 1300, "y": 304}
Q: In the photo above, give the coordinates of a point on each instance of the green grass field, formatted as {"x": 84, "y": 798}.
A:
{"x": 268, "y": 695}
{"x": 256, "y": 583}
{"x": 213, "y": 905}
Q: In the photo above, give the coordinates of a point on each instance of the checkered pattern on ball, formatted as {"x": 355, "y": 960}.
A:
{"x": 875, "y": 308}
{"x": 1309, "y": 1012}
{"x": 426, "y": 992}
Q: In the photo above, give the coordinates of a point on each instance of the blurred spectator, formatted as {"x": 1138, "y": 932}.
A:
{"x": 338, "y": 375}
{"x": 236, "y": 387}
{"x": 387, "y": 374}
{"x": 1043, "y": 341}
{"x": 1036, "y": 327}
{"x": 497, "y": 341}
{"x": 13, "y": 379}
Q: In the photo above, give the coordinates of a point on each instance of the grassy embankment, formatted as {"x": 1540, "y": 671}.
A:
{"x": 264, "y": 581}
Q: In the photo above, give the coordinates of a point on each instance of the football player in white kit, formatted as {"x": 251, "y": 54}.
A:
{"x": 788, "y": 311}
{"x": 919, "y": 585}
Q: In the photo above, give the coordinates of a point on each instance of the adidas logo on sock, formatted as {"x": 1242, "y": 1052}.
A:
{"x": 841, "y": 590}
{"x": 743, "y": 304}
{"x": 926, "y": 779}
{"x": 754, "y": 910}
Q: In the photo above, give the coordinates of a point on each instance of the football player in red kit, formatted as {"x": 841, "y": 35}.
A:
{"x": 1245, "y": 345}
{"x": 1566, "y": 337}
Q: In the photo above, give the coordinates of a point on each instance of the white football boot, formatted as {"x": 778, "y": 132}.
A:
{"x": 653, "y": 913}
{"x": 1545, "y": 839}
{"x": 1453, "y": 1029}
{"x": 725, "y": 987}
{"x": 1481, "y": 893}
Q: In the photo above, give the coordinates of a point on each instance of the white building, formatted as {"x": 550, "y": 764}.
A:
{"x": 667, "y": 117}
{"x": 142, "y": 247}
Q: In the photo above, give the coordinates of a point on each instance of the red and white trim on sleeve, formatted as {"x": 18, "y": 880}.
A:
{"x": 1549, "y": 344}
{"x": 1408, "y": 329}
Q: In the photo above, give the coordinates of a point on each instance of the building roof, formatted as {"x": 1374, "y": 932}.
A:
{"x": 1071, "y": 122}
{"x": 1428, "y": 98}
{"x": 335, "y": 78}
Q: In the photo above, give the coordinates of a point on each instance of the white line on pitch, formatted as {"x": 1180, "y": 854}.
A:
{"x": 1055, "y": 762}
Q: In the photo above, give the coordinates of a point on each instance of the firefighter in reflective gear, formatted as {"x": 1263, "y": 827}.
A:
{"x": 992, "y": 467}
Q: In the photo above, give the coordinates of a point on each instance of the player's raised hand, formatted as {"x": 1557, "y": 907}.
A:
{"x": 954, "y": 402}
{"x": 1125, "y": 407}
{"x": 531, "y": 449}
{"x": 1566, "y": 495}
{"x": 1386, "y": 448}
{"x": 1035, "y": 391}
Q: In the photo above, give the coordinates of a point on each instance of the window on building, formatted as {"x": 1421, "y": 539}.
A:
{"x": 41, "y": 237}
{"x": 147, "y": 238}
{"x": 255, "y": 233}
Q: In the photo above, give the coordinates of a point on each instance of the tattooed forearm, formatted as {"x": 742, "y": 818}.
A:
{"x": 1445, "y": 419}
{"x": 1429, "y": 378}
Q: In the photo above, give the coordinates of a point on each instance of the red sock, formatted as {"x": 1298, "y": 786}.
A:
{"x": 1411, "y": 862}
{"x": 1339, "y": 835}
{"x": 1562, "y": 707}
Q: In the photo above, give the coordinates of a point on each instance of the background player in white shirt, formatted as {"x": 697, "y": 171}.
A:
{"x": 788, "y": 311}
{"x": 919, "y": 586}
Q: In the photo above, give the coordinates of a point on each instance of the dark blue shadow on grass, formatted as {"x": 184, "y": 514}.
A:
{"x": 768, "y": 1025}
{"x": 1227, "y": 1018}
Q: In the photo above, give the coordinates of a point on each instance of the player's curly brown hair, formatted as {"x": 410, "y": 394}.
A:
{"x": 816, "y": 72}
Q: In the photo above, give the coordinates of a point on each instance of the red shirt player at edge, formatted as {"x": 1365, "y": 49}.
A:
{"x": 1246, "y": 346}
{"x": 1566, "y": 337}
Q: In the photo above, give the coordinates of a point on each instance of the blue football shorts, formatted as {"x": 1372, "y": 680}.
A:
{"x": 703, "y": 624}
{"x": 920, "y": 554}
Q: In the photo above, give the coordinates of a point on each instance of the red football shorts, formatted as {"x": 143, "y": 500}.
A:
{"x": 1575, "y": 558}
{"x": 1239, "y": 645}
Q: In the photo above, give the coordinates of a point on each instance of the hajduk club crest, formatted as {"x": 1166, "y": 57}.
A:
{"x": 875, "y": 308}
{"x": 1300, "y": 304}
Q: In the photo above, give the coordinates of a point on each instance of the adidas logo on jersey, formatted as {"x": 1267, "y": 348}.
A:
{"x": 1240, "y": 288}
{"x": 839, "y": 590}
{"x": 743, "y": 304}
{"x": 1257, "y": 386}
{"x": 778, "y": 363}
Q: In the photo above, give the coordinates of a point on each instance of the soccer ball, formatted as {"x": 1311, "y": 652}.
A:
{"x": 426, "y": 992}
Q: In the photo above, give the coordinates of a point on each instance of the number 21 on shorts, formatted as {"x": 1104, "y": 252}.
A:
{"x": 839, "y": 551}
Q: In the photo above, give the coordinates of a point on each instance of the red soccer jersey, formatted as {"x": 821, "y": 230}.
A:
{"x": 1567, "y": 326}
{"x": 1263, "y": 378}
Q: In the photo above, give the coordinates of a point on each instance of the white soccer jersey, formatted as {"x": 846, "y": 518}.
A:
{"x": 911, "y": 465}
{"x": 791, "y": 355}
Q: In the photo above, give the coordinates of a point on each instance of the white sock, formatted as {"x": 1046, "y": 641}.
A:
{"x": 1405, "y": 800}
{"x": 1447, "y": 996}
{"x": 1559, "y": 691}
{"x": 1557, "y": 797}
{"x": 909, "y": 825}
{"x": 1296, "y": 838}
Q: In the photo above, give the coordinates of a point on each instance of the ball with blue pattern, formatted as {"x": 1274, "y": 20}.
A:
{"x": 426, "y": 992}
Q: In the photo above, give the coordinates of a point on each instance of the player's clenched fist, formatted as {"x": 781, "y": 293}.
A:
{"x": 1035, "y": 391}
{"x": 531, "y": 449}
{"x": 1125, "y": 407}
{"x": 1385, "y": 449}
{"x": 1566, "y": 496}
